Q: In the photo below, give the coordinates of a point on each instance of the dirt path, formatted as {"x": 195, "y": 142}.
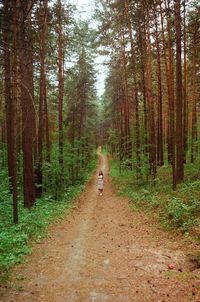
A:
{"x": 103, "y": 252}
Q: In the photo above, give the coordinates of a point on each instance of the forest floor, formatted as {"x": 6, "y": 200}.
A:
{"x": 104, "y": 252}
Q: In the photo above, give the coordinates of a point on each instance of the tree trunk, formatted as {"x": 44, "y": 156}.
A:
{"x": 10, "y": 101}
{"x": 46, "y": 121}
{"x": 194, "y": 109}
{"x": 43, "y": 37}
{"x": 152, "y": 137}
{"x": 9, "y": 104}
{"x": 135, "y": 88}
{"x": 61, "y": 85}
{"x": 15, "y": 100}
{"x": 127, "y": 138}
{"x": 179, "y": 98}
{"x": 27, "y": 103}
{"x": 170, "y": 89}
{"x": 142, "y": 49}
{"x": 185, "y": 87}
{"x": 160, "y": 160}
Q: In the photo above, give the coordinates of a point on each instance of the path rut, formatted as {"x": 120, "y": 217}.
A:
{"x": 103, "y": 252}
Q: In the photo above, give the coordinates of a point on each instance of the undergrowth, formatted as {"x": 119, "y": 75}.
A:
{"x": 15, "y": 239}
{"x": 179, "y": 209}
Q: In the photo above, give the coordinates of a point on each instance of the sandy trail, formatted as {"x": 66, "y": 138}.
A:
{"x": 103, "y": 252}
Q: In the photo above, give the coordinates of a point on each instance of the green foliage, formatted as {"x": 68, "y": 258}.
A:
{"x": 56, "y": 181}
{"x": 14, "y": 239}
{"x": 179, "y": 213}
{"x": 4, "y": 189}
{"x": 178, "y": 209}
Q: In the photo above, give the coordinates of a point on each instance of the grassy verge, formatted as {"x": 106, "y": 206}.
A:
{"x": 15, "y": 239}
{"x": 178, "y": 209}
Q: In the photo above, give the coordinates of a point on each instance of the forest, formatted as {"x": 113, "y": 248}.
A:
{"x": 52, "y": 118}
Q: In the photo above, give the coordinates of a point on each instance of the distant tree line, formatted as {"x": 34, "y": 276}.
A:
{"x": 151, "y": 103}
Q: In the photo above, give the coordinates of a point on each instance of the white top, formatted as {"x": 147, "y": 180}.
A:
{"x": 100, "y": 182}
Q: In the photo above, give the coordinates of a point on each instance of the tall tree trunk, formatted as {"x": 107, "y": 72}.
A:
{"x": 61, "y": 84}
{"x": 10, "y": 101}
{"x": 72, "y": 139}
{"x": 152, "y": 137}
{"x": 185, "y": 87}
{"x": 43, "y": 37}
{"x": 194, "y": 91}
{"x": 46, "y": 121}
{"x": 142, "y": 49}
{"x": 8, "y": 90}
{"x": 194, "y": 108}
{"x": 27, "y": 103}
{"x": 179, "y": 98}
{"x": 127, "y": 138}
{"x": 31, "y": 55}
{"x": 46, "y": 114}
{"x": 170, "y": 89}
{"x": 121, "y": 156}
{"x": 160, "y": 160}
{"x": 15, "y": 100}
{"x": 133, "y": 65}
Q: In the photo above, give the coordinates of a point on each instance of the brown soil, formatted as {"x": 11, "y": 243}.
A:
{"x": 103, "y": 252}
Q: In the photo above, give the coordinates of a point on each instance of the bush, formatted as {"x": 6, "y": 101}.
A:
{"x": 178, "y": 213}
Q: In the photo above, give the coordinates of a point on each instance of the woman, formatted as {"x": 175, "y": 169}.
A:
{"x": 100, "y": 183}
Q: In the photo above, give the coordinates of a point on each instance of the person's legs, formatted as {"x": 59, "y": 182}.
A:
{"x": 100, "y": 192}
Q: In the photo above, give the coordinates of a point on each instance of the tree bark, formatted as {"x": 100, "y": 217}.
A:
{"x": 43, "y": 37}
{"x": 160, "y": 160}
{"x": 185, "y": 87}
{"x": 179, "y": 97}
{"x": 152, "y": 137}
{"x": 170, "y": 89}
{"x": 27, "y": 103}
{"x": 135, "y": 88}
{"x": 46, "y": 121}
{"x": 127, "y": 138}
{"x": 142, "y": 49}
{"x": 60, "y": 85}
{"x": 9, "y": 104}
{"x": 10, "y": 100}
{"x": 194, "y": 109}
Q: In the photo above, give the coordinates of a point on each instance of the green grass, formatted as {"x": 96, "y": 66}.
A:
{"x": 15, "y": 239}
{"x": 178, "y": 209}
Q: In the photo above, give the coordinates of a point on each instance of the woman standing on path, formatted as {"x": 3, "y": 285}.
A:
{"x": 100, "y": 183}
